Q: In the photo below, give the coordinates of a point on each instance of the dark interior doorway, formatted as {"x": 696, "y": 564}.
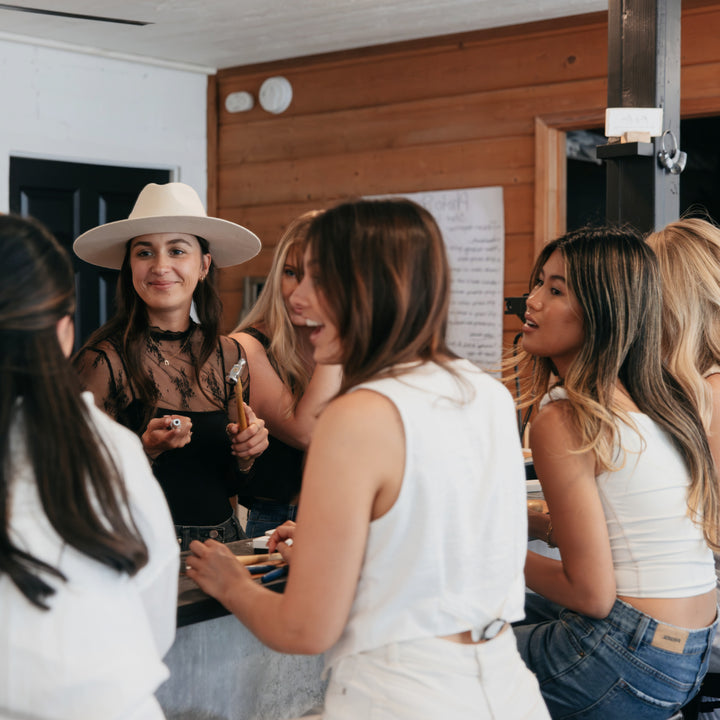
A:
{"x": 70, "y": 198}
{"x": 699, "y": 182}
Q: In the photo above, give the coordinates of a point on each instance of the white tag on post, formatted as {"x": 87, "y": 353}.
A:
{"x": 622, "y": 121}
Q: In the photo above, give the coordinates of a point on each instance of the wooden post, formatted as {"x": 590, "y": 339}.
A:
{"x": 643, "y": 71}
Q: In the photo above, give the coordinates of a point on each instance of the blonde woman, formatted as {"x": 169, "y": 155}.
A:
{"x": 688, "y": 253}
{"x": 288, "y": 389}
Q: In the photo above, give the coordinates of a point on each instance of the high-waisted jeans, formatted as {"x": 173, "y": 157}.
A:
{"x": 626, "y": 666}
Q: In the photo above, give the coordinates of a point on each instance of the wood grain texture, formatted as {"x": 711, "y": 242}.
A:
{"x": 470, "y": 110}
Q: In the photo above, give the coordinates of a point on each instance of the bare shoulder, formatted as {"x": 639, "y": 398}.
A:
{"x": 252, "y": 346}
{"x": 361, "y": 422}
{"x": 554, "y": 427}
{"x": 361, "y": 409}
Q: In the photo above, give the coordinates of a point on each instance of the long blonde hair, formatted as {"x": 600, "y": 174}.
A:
{"x": 271, "y": 312}
{"x": 688, "y": 253}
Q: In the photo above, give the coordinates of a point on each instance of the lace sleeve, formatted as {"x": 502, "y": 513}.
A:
{"x": 105, "y": 382}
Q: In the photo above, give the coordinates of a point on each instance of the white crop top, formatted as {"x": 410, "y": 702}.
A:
{"x": 657, "y": 550}
{"x": 449, "y": 555}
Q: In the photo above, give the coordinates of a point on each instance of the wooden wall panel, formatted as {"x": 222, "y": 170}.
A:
{"x": 475, "y": 109}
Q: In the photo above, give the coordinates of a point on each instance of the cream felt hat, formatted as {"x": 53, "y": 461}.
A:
{"x": 174, "y": 207}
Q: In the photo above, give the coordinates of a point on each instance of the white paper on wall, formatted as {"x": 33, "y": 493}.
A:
{"x": 472, "y": 223}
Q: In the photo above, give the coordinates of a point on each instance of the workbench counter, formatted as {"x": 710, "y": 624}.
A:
{"x": 220, "y": 671}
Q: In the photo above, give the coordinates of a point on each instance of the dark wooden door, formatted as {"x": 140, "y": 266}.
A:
{"x": 70, "y": 198}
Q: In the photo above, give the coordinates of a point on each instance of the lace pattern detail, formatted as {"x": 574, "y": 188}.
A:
{"x": 103, "y": 371}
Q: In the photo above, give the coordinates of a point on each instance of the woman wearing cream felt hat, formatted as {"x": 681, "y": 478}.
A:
{"x": 158, "y": 372}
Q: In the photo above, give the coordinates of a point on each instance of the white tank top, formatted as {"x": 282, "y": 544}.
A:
{"x": 449, "y": 555}
{"x": 657, "y": 551}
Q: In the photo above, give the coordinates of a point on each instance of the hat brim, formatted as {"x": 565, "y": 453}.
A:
{"x": 230, "y": 243}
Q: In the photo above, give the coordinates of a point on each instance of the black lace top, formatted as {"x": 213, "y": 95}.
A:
{"x": 199, "y": 478}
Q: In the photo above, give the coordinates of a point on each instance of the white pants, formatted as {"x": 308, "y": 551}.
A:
{"x": 433, "y": 678}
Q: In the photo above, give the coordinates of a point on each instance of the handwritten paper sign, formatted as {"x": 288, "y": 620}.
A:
{"x": 472, "y": 223}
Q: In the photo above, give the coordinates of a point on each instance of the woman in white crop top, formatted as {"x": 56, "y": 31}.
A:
{"x": 622, "y": 625}
{"x": 407, "y": 558}
{"x": 688, "y": 252}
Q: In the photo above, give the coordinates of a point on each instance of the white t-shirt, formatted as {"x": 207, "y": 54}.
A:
{"x": 449, "y": 555}
{"x": 97, "y": 653}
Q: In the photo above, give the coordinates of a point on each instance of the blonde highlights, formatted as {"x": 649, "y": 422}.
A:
{"x": 270, "y": 310}
{"x": 688, "y": 253}
{"x": 616, "y": 279}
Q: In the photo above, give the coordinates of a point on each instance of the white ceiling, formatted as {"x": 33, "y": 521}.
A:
{"x": 206, "y": 35}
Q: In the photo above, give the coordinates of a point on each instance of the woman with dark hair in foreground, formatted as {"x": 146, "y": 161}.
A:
{"x": 88, "y": 558}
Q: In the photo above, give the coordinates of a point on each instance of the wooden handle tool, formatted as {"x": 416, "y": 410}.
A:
{"x": 263, "y": 558}
{"x": 242, "y": 420}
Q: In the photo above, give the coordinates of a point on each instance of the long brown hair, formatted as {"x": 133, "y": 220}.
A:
{"x": 129, "y": 327}
{"x": 615, "y": 277}
{"x": 385, "y": 277}
{"x": 80, "y": 489}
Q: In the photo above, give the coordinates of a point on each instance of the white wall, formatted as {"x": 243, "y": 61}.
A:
{"x": 61, "y": 105}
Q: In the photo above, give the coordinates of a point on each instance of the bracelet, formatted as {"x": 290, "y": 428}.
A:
{"x": 548, "y": 535}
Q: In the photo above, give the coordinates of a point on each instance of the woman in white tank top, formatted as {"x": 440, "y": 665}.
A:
{"x": 622, "y": 625}
{"x": 688, "y": 253}
{"x": 407, "y": 558}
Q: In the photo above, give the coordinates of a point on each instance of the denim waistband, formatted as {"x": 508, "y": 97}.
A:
{"x": 643, "y": 628}
{"x": 262, "y": 505}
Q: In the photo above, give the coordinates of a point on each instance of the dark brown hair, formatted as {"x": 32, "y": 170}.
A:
{"x": 129, "y": 325}
{"x": 80, "y": 489}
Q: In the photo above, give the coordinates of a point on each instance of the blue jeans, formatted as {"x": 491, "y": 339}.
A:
{"x": 266, "y": 515}
{"x": 618, "y": 667}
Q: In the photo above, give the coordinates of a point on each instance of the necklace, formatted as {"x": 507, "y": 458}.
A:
{"x": 160, "y": 335}
{"x": 163, "y": 357}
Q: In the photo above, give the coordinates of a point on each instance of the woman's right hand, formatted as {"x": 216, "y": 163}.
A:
{"x": 282, "y": 539}
{"x": 164, "y": 434}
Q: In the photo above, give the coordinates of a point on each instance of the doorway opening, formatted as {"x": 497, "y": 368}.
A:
{"x": 699, "y": 182}
{"x": 70, "y": 198}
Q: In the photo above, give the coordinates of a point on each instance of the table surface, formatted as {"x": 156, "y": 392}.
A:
{"x": 194, "y": 605}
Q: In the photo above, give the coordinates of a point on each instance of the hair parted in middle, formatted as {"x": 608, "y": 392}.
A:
{"x": 383, "y": 274}
{"x": 130, "y": 323}
{"x": 615, "y": 278}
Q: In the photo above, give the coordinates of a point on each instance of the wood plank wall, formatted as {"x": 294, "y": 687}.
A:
{"x": 478, "y": 109}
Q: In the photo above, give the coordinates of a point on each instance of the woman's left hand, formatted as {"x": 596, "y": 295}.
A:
{"x": 250, "y": 442}
{"x": 215, "y": 569}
